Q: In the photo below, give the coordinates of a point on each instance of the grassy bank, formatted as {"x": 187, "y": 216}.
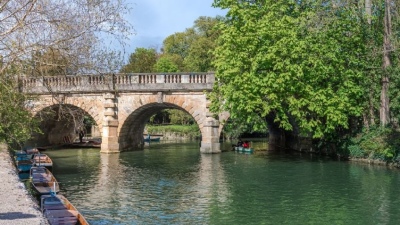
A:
{"x": 192, "y": 131}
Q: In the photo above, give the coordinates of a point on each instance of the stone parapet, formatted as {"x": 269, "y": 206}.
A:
{"x": 136, "y": 82}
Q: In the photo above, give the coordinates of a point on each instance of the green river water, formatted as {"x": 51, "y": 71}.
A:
{"x": 173, "y": 183}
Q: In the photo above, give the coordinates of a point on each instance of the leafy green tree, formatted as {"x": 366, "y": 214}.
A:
{"x": 141, "y": 61}
{"x": 286, "y": 59}
{"x": 166, "y": 64}
{"x": 178, "y": 43}
{"x": 200, "y": 55}
{"x": 180, "y": 117}
{"x": 193, "y": 47}
{"x": 17, "y": 123}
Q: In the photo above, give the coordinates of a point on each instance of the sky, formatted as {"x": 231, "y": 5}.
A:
{"x": 154, "y": 20}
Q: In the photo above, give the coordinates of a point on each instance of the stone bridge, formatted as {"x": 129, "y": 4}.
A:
{"x": 121, "y": 104}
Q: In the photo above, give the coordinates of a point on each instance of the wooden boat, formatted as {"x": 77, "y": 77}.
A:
{"x": 24, "y": 165}
{"x": 43, "y": 180}
{"x": 42, "y": 160}
{"x": 32, "y": 151}
{"x": 22, "y": 155}
{"x": 150, "y": 139}
{"x": 58, "y": 210}
{"x": 242, "y": 149}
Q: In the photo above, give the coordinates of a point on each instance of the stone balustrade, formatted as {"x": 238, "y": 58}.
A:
{"x": 135, "y": 82}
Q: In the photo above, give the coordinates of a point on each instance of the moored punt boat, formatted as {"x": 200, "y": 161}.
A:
{"x": 150, "y": 139}
{"x": 42, "y": 160}
{"x": 32, "y": 151}
{"x": 43, "y": 180}
{"x": 22, "y": 155}
{"x": 24, "y": 165}
{"x": 242, "y": 149}
{"x": 58, "y": 210}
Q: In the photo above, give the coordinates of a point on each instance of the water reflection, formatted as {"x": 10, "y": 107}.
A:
{"x": 172, "y": 183}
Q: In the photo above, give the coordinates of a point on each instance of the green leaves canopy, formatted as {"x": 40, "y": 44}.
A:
{"x": 141, "y": 61}
{"x": 287, "y": 58}
{"x": 17, "y": 123}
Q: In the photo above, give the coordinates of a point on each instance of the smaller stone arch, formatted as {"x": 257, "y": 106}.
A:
{"x": 59, "y": 124}
{"x": 90, "y": 106}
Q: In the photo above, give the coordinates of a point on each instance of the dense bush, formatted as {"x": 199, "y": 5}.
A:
{"x": 375, "y": 143}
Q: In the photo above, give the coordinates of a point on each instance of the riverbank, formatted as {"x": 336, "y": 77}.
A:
{"x": 17, "y": 207}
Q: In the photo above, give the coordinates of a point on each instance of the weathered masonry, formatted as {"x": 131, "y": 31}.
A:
{"x": 121, "y": 104}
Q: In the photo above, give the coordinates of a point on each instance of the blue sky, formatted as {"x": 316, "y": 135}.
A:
{"x": 154, "y": 20}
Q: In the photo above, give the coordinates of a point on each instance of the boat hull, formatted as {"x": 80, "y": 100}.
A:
{"x": 42, "y": 160}
{"x": 242, "y": 149}
{"x": 24, "y": 165}
{"x": 152, "y": 139}
{"x": 43, "y": 180}
{"x": 57, "y": 209}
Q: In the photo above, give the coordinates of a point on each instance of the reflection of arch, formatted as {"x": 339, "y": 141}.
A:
{"x": 58, "y": 129}
{"x": 131, "y": 132}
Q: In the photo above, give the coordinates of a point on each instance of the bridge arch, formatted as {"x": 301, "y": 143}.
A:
{"x": 92, "y": 105}
{"x": 131, "y": 132}
{"x": 136, "y": 109}
{"x": 59, "y": 124}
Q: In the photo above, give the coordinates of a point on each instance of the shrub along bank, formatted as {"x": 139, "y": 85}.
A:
{"x": 375, "y": 145}
{"x": 191, "y": 132}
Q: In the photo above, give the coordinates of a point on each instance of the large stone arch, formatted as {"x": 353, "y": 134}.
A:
{"x": 133, "y": 121}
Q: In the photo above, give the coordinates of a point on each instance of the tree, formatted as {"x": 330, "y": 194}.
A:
{"x": 44, "y": 37}
{"x": 193, "y": 47}
{"x": 141, "y": 61}
{"x": 75, "y": 28}
{"x": 200, "y": 55}
{"x": 297, "y": 61}
{"x": 386, "y": 64}
{"x": 17, "y": 123}
{"x": 165, "y": 64}
{"x": 180, "y": 117}
{"x": 49, "y": 63}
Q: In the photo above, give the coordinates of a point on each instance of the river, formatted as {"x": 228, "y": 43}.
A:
{"x": 173, "y": 183}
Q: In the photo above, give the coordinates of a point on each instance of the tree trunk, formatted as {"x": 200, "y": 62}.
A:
{"x": 368, "y": 10}
{"x": 384, "y": 108}
{"x": 369, "y": 117}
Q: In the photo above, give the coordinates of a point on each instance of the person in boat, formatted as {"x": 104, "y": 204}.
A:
{"x": 246, "y": 144}
{"x": 240, "y": 143}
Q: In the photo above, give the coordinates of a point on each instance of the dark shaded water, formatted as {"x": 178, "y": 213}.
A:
{"x": 172, "y": 183}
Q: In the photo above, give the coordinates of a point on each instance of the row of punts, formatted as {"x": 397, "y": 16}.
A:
{"x": 55, "y": 207}
{"x": 26, "y": 159}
